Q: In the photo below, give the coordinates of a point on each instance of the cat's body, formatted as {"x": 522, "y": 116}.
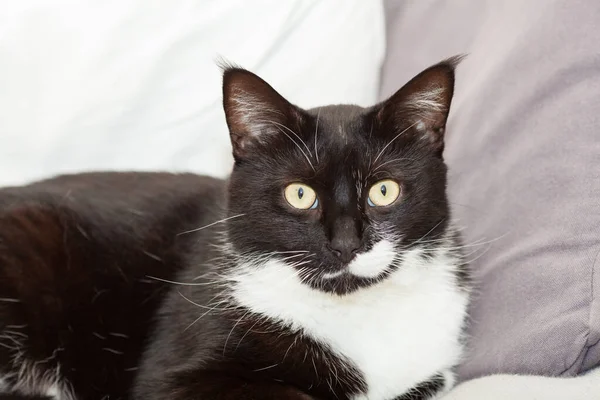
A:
{"x": 75, "y": 255}
{"x": 278, "y": 330}
{"x": 325, "y": 268}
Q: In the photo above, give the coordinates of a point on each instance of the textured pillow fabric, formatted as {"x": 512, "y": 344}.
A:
{"x": 133, "y": 84}
{"x": 523, "y": 147}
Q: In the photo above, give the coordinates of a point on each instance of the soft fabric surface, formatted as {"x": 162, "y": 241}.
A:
{"x": 514, "y": 387}
{"x": 132, "y": 84}
{"x": 523, "y": 147}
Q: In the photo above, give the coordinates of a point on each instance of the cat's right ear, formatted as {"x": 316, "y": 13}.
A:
{"x": 419, "y": 110}
{"x": 254, "y": 111}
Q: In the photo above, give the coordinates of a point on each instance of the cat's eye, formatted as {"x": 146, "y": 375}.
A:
{"x": 301, "y": 196}
{"x": 383, "y": 193}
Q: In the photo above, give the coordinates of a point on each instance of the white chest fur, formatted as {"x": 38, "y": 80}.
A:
{"x": 398, "y": 332}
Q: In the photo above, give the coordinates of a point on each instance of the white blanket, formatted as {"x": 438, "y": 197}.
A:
{"x": 514, "y": 387}
{"x": 133, "y": 84}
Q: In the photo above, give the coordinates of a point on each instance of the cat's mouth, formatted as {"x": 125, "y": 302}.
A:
{"x": 370, "y": 270}
{"x": 366, "y": 268}
{"x": 343, "y": 282}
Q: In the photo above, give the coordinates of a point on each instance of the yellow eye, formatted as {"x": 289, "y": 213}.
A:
{"x": 383, "y": 193}
{"x": 301, "y": 196}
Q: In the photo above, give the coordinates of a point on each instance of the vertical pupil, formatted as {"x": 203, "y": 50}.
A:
{"x": 300, "y": 193}
{"x": 383, "y": 190}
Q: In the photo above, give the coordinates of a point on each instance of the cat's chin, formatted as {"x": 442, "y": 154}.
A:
{"x": 344, "y": 282}
{"x": 366, "y": 269}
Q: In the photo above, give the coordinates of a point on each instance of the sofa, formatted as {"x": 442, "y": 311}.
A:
{"x": 523, "y": 149}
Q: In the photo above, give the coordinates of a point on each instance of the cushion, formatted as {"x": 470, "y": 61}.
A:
{"x": 523, "y": 148}
{"x": 129, "y": 85}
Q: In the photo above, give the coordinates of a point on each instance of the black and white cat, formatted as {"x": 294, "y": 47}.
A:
{"x": 326, "y": 267}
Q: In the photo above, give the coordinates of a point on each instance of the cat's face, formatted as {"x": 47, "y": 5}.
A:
{"x": 339, "y": 193}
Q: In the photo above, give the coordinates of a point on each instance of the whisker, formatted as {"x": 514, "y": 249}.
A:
{"x": 289, "y": 348}
{"x": 212, "y": 224}
{"x": 232, "y": 329}
{"x": 199, "y": 318}
{"x": 393, "y": 161}
{"x": 316, "y": 133}
{"x": 478, "y": 256}
{"x": 215, "y": 306}
{"x": 203, "y": 306}
{"x": 265, "y": 368}
{"x": 247, "y": 332}
{"x": 297, "y": 145}
{"x": 12, "y": 348}
{"x": 293, "y": 133}
{"x": 294, "y": 256}
{"x": 214, "y": 273}
{"x": 391, "y": 141}
{"x": 180, "y": 283}
{"x": 431, "y": 230}
{"x": 481, "y": 243}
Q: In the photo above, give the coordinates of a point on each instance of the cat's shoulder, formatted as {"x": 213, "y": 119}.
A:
{"x": 109, "y": 205}
{"x": 105, "y": 192}
{"x": 115, "y": 184}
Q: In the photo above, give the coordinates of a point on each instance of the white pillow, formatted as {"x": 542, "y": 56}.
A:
{"x": 133, "y": 84}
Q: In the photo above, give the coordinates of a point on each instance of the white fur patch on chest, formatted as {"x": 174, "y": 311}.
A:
{"x": 398, "y": 332}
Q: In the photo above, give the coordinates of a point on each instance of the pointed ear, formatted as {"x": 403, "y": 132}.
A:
{"x": 420, "y": 108}
{"x": 254, "y": 111}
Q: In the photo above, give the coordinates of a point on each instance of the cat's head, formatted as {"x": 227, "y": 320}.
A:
{"x": 339, "y": 192}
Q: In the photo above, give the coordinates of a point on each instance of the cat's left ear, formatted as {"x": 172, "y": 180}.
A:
{"x": 420, "y": 108}
{"x": 256, "y": 113}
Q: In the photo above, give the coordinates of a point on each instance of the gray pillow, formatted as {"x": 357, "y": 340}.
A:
{"x": 523, "y": 147}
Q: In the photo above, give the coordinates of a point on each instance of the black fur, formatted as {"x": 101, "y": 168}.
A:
{"x": 425, "y": 389}
{"x": 87, "y": 260}
{"x": 247, "y": 357}
{"x": 75, "y": 256}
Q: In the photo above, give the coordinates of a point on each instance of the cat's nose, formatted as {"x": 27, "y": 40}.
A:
{"x": 345, "y": 247}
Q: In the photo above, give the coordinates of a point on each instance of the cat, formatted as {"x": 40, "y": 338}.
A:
{"x": 325, "y": 267}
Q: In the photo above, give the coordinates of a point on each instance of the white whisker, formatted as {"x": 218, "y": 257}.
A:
{"x": 203, "y": 306}
{"x": 209, "y": 225}
{"x": 316, "y": 133}
{"x": 232, "y": 329}
{"x": 393, "y": 161}
{"x": 293, "y": 133}
{"x": 265, "y": 368}
{"x": 391, "y": 141}
{"x": 293, "y": 141}
{"x": 431, "y": 230}
{"x": 180, "y": 283}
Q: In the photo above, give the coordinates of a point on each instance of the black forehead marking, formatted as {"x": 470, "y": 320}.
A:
{"x": 341, "y": 138}
{"x": 343, "y": 145}
{"x": 340, "y": 123}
